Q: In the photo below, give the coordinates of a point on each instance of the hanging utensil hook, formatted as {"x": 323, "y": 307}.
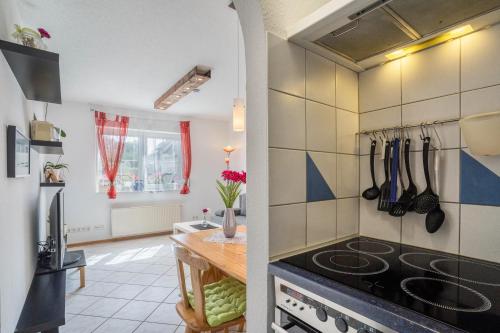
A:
{"x": 437, "y": 136}
{"x": 422, "y": 135}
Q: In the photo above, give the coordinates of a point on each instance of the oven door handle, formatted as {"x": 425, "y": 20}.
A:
{"x": 277, "y": 328}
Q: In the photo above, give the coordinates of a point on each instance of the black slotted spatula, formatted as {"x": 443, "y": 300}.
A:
{"x": 405, "y": 202}
{"x": 384, "y": 203}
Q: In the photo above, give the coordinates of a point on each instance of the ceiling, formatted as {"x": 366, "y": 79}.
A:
{"x": 126, "y": 53}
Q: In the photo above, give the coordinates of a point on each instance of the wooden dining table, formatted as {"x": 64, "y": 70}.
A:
{"x": 229, "y": 258}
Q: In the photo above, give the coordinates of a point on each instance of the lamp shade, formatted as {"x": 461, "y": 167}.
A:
{"x": 239, "y": 115}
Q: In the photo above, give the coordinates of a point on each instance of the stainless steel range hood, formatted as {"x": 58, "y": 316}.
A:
{"x": 361, "y": 36}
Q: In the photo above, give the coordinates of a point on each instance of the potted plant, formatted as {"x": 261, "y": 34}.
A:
{"x": 30, "y": 37}
{"x": 229, "y": 191}
{"x": 52, "y": 171}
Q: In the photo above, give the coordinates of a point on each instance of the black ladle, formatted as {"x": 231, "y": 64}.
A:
{"x": 427, "y": 200}
{"x": 435, "y": 218}
{"x": 373, "y": 192}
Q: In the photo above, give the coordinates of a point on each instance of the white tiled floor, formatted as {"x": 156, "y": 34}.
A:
{"x": 131, "y": 287}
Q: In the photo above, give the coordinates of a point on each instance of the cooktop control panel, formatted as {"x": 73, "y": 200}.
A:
{"x": 320, "y": 313}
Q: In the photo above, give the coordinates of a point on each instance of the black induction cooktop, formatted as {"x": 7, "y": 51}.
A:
{"x": 459, "y": 291}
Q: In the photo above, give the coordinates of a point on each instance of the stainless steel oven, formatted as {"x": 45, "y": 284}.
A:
{"x": 298, "y": 310}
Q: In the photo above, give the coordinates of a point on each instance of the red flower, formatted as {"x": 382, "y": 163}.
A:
{"x": 43, "y": 33}
{"x": 234, "y": 176}
{"x": 204, "y": 210}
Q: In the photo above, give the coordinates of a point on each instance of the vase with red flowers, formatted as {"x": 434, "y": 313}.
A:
{"x": 205, "y": 212}
{"x": 229, "y": 190}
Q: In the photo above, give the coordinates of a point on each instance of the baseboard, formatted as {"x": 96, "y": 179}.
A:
{"x": 117, "y": 239}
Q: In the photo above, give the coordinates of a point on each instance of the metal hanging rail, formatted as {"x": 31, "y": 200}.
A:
{"x": 393, "y": 128}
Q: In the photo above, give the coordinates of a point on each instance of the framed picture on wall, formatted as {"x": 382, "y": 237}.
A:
{"x": 18, "y": 153}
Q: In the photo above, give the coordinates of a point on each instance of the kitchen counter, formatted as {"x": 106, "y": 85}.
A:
{"x": 384, "y": 312}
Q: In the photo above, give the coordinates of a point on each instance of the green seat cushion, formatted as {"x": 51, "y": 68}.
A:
{"x": 225, "y": 300}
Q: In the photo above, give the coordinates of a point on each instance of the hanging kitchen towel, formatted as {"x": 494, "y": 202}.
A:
{"x": 394, "y": 172}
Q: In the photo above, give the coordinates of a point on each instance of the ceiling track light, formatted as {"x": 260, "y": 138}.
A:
{"x": 188, "y": 83}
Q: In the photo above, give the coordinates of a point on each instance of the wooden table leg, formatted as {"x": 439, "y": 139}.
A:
{"x": 82, "y": 277}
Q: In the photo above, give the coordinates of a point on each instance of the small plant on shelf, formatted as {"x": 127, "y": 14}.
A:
{"x": 30, "y": 37}
{"x": 52, "y": 171}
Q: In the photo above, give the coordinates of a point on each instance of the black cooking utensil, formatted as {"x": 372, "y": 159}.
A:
{"x": 427, "y": 200}
{"x": 435, "y": 218}
{"x": 394, "y": 171}
{"x": 385, "y": 189}
{"x": 373, "y": 192}
{"x": 405, "y": 202}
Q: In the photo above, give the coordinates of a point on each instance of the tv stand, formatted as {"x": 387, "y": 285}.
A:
{"x": 44, "y": 308}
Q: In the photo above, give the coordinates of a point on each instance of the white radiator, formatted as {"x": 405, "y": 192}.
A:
{"x": 131, "y": 221}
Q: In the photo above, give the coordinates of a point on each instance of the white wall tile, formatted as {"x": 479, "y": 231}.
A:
{"x": 321, "y": 221}
{"x": 480, "y": 101}
{"x": 380, "y": 87}
{"x": 445, "y": 239}
{"x": 480, "y": 227}
{"x": 287, "y": 176}
{"x": 373, "y": 223}
{"x": 480, "y": 60}
{"x": 327, "y": 165}
{"x": 435, "y": 109}
{"x": 449, "y": 173}
{"x": 320, "y": 79}
{"x": 377, "y": 119}
{"x": 287, "y": 121}
{"x": 432, "y": 73}
{"x": 347, "y": 176}
{"x": 286, "y": 66}
{"x": 347, "y": 217}
{"x": 321, "y": 131}
{"x": 287, "y": 228}
{"x": 346, "y": 89}
{"x": 347, "y": 126}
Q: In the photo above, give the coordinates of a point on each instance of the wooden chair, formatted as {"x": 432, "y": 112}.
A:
{"x": 202, "y": 273}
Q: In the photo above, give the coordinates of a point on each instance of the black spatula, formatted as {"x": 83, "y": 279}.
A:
{"x": 384, "y": 203}
{"x": 405, "y": 202}
{"x": 427, "y": 200}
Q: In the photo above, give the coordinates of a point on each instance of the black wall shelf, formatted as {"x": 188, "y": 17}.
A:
{"x": 44, "y": 308}
{"x": 36, "y": 71}
{"x": 47, "y": 147}
{"x": 60, "y": 184}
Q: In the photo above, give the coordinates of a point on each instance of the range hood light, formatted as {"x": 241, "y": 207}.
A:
{"x": 464, "y": 30}
{"x": 455, "y": 33}
{"x": 396, "y": 54}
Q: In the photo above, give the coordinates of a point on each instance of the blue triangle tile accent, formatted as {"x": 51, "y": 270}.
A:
{"x": 317, "y": 187}
{"x": 478, "y": 184}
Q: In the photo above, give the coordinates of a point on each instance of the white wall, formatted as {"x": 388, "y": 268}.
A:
{"x": 18, "y": 197}
{"x": 258, "y": 282}
{"x": 85, "y": 207}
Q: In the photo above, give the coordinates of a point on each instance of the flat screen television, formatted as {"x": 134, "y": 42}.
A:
{"x": 56, "y": 238}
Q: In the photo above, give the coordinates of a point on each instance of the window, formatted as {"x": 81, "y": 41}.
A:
{"x": 151, "y": 162}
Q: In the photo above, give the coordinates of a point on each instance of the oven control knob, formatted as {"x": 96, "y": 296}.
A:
{"x": 341, "y": 325}
{"x": 288, "y": 300}
{"x": 321, "y": 314}
{"x": 363, "y": 330}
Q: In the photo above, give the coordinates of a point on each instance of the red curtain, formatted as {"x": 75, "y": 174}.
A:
{"x": 111, "y": 135}
{"x": 186, "y": 155}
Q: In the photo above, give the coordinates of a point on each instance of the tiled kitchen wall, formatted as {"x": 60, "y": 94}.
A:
{"x": 456, "y": 79}
{"x": 313, "y": 151}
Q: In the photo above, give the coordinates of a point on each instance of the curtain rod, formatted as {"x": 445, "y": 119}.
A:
{"x": 394, "y": 128}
